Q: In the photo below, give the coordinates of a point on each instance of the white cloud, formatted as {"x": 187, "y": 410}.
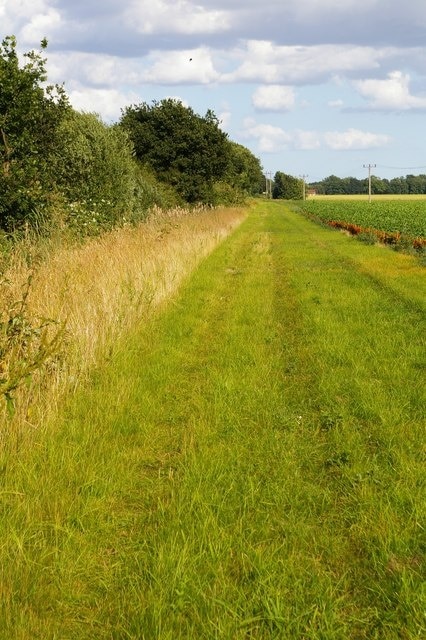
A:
{"x": 263, "y": 61}
{"x": 272, "y": 139}
{"x": 392, "y": 93}
{"x": 354, "y": 139}
{"x": 306, "y": 139}
{"x": 29, "y": 20}
{"x": 181, "y": 67}
{"x": 273, "y": 98}
{"x": 41, "y": 25}
{"x": 106, "y": 102}
{"x": 94, "y": 69}
{"x": 224, "y": 118}
{"x": 180, "y": 16}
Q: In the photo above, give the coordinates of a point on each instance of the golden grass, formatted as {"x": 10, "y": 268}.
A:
{"x": 103, "y": 288}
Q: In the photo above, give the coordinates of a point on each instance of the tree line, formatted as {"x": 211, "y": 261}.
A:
{"x": 62, "y": 166}
{"x": 291, "y": 188}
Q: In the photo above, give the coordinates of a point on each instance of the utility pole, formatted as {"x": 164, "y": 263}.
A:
{"x": 303, "y": 177}
{"x": 369, "y": 167}
{"x": 268, "y": 178}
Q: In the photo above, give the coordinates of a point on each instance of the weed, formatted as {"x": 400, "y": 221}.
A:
{"x": 26, "y": 343}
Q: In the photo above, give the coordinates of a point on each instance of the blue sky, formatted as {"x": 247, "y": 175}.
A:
{"x": 312, "y": 87}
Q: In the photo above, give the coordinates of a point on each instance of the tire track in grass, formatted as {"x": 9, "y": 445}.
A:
{"x": 222, "y": 478}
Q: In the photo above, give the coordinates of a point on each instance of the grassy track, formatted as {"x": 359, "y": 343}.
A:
{"x": 248, "y": 465}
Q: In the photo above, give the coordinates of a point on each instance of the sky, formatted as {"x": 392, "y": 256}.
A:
{"x": 312, "y": 87}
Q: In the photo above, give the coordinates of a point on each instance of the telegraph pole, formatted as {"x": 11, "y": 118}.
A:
{"x": 268, "y": 178}
{"x": 369, "y": 167}
{"x": 303, "y": 177}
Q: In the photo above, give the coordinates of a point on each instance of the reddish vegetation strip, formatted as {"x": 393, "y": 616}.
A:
{"x": 386, "y": 237}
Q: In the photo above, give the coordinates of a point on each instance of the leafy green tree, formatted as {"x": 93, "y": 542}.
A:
{"x": 416, "y": 184}
{"x": 398, "y": 185}
{"x": 287, "y": 187}
{"x": 95, "y": 171}
{"x": 185, "y": 150}
{"x": 245, "y": 171}
{"x": 30, "y": 118}
{"x": 333, "y": 185}
{"x": 100, "y": 179}
{"x": 379, "y": 185}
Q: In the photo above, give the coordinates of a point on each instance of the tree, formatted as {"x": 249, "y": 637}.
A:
{"x": 185, "y": 150}
{"x": 30, "y": 118}
{"x": 96, "y": 170}
{"x": 333, "y": 185}
{"x": 245, "y": 171}
{"x": 379, "y": 185}
{"x": 287, "y": 187}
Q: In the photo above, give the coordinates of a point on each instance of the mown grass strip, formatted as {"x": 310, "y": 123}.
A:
{"x": 249, "y": 465}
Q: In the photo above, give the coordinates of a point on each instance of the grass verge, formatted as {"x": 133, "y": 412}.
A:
{"x": 88, "y": 296}
{"x": 248, "y": 465}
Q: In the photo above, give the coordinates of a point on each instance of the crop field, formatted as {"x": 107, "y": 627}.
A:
{"x": 389, "y": 219}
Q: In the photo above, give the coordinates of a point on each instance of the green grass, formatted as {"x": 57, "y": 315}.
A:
{"x": 249, "y": 464}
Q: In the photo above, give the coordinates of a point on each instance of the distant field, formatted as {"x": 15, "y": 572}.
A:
{"x": 392, "y": 219}
{"x": 364, "y": 196}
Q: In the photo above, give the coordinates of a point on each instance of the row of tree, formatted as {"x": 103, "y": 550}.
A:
{"x": 291, "y": 188}
{"x": 55, "y": 159}
{"x": 333, "y": 185}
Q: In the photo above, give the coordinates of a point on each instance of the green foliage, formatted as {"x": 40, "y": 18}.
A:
{"x": 244, "y": 173}
{"x": 287, "y": 187}
{"x": 30, "y": 118}
{"x": 61, "y": 166}
{"x": 185, "y": 150}
{"x": 96, "y": 173}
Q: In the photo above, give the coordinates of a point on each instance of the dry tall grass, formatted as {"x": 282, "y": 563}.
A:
{"x": 100, "y": 290}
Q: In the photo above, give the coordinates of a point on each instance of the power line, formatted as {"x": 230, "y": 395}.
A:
{"x": 384, "y": 166}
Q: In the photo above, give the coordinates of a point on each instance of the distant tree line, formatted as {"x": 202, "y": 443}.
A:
{"x": 61, "y": 166}
{"x": 333, "y": 185}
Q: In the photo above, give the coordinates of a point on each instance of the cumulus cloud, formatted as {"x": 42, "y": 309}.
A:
{"x": 354, "y": 139}
{"x": 263, "y": 61}
{"x": 180, "y": 16}
{"x": 224, "y": 118}
{"x": 273, "y": 98}
{"x": 181, "y": 67}
{"x": 108, "y": 103}
{"x": 30, "y": 20}
{"x": 392, "y": 93}
{"x": 272, "y": 139}
{"x": 94, "y": 69}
